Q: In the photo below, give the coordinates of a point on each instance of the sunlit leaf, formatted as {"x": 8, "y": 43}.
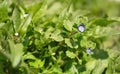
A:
{"x": 67, "y": 41}
{"x": 68, "y": 25}
{"x": 24, "y": 24}
{"x": 110, "y": 69}
{"x": 29, "y": 56}
{"x": 37, "y": 63}
{"x": 56, "y": 36}
{"x": 91, "y": 65}
{"x": 70, "y": 54}
{"x": 100, "y": 66}
{"x": 16, "y": 53}
{"x": 16, "y": 17}
{"x": 2, "y": 24}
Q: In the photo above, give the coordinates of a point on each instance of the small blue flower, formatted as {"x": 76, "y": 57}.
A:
{"x": 81, "y": 27}
{"x": 88, "y": 51}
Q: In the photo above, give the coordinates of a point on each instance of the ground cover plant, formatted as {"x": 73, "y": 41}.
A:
{"x": 59, "y": 37}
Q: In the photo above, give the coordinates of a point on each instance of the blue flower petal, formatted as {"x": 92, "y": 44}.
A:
{"x": 81, "y": 28}
{"x": 88, "y": 51}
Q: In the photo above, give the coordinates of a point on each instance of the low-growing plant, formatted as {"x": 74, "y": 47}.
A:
{"x": 55, "y": 37}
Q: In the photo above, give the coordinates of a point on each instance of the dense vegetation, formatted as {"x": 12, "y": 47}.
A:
{"x": 59, "y": 37}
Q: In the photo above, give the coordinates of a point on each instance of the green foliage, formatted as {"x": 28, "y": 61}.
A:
{"x": 42, "y": 37}
{"x": 3, "y": 11}
{"x": 16, "y": 52}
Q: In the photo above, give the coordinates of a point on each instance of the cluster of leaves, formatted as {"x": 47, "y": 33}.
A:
{"x": 43, "y": 38}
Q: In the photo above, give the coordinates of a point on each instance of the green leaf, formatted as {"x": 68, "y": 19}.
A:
{"x": 3, "y": 11}
{"x": 110, "y": 68}
{"x": 70, "y": 54}
{"x": 2, "y": 24}
{"x": 55, "y": 7}
{"x": 68, "y": 25}
{"x": 100, "y": 66}
{"x": 11, "y": 44}
{"x": 87, "y": 44}
{"x": 117, "y": 64}
{"x": 117, "y": 68}
{"x": 83, "y": 43}
{"x": 72, "y": 70}
{"x": 35, "y": 8}
{"x": 90, "y": 65}
{"x": 24, "y": 24}
{"x": 56, "y": 36}
{"x": 91, "y": 44}
{"x": 29, "y": 56}
{"x": 103, "y": 31}
{"x": 37, "y": 63}
{"x": 56, "y": 69}
{"x": 67, "y": 41}
{"x": 16, "y": 17}
{"x": 49, "y": 32}
{"x": 1, "y": 68}
{"x": 86, "y": 72}
{"x": 117, "y": 19}
{"x": 4, "y": 55}
{"x": 83, "y": 19}
{"x": 103, "y": 22}
{"x": 71, "y": 43}
{"x": 16, "y": 53}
